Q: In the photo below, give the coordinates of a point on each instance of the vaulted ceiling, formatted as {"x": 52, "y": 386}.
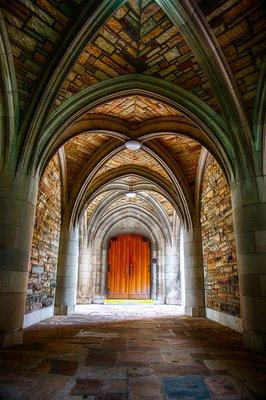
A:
{"x": 135, "y": 109}
{"x": 135, "y": 37}
{"x": 138, "y": 38}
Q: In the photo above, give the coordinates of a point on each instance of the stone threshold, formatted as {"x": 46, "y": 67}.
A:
{"x": 128, "y": 301}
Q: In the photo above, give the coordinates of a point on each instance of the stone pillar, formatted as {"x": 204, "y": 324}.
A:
{"x": 104, "y": 267}
{"x": 84, "y": 274}
{"x": 194, "y": 273}
{"x": 67, "y": 271}
{"x": 153, "y": 274}
{"x": 18, "y": 196}
{"x": 249, "y": 211}
{"x": 172, "y": 275}
{"x": 160, "y": 280}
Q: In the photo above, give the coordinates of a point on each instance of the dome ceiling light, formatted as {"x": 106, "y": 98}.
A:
{"x": 131, "y": 195}
{"x": 133, "y": 145}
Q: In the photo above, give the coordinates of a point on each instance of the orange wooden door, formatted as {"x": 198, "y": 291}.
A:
{"x": 129, "y": 268}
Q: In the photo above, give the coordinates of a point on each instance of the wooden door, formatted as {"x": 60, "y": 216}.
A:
{"x": 129, "y": 267}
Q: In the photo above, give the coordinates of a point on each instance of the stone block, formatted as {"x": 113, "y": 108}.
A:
{"x": 260, "y": 242}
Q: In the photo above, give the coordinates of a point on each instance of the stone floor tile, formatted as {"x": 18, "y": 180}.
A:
{"x": 101, "y": 372}
{"x": 115, "y": 344}
{"x": 178, "y": 358}
{"x": 190, "y": 387}
{"x": 140, "y": 371}
{"x": 49, "y": 387}
{"x": 227, "y": 388}
{"x": 225, "y": 364}
{"x": 97, "y": 335}
{"x": 149, "y": 344}
{"x": 130, "y": 357}
{"x": 61, "y": 367}
{"x": 145, "y": 386}
{"x": 114, "y": 386}
{"x": 104, "y": 357}
{"x": 70, "y": 397}
{"x": 131, "y": 349}
{"x": 20, "y": 360}
{"x": 86, "y": 387}
{"x": 257, "y": 387}
{"x": 15, "y": 383}
{"x": 172, "y": 369}
{"x": 110, "y": 396}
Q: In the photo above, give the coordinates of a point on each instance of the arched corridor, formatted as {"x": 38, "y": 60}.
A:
{"x": 132, "y": 174}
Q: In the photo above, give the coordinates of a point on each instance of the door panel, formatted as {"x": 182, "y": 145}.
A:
{"x": 129, "y": 267}
{"x": 139, "y": 282}
{"x": 117, "y": 271}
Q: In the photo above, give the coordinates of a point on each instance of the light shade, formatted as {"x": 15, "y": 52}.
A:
{"x": 131, "y": 194}
{"x": 133, "y": 145}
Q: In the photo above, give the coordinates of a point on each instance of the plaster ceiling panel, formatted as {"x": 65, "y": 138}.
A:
{"x": 133, "y": 158}
{"x": 239, "y": 27}
{"x": 34, "y": 29}
{"x": 135, "y": 109}
{"x": 138, "y": 39}
{"x": 78, "y": 152}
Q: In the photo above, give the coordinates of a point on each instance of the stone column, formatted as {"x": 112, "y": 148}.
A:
{"x": 194, "y": 273}
{"x": 153, "y": 274}
{"x": 67, "y": 271}
{"x": 249, "y": 211}
{"x": 160, "y": 280}
{"x": 172, "y": 275}
{"x": 104, "y": 266}
{"x": 84, "y": 274}
{"x": 18, "y": 196}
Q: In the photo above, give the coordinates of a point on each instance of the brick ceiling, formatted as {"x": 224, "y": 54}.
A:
{"x": 78, "y": 151}
{"x": 34, "y": 29}
{"x": 239, "y": 27}
{"x": 135, "y": 109}
{"x": 138, "y": 39}
{"x": 186, "y": 152}
{"x": 133, "y": 158}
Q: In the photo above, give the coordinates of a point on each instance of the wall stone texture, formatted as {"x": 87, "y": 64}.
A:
{"x": 45, "y": 245}
{"x": 218, "y": 241}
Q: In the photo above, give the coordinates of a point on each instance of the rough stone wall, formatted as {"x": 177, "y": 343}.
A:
{"x": 219, "y": 248}
{"x": 44, "y": 254}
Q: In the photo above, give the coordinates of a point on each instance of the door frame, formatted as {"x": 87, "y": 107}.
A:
{"x": 107, "y": 258}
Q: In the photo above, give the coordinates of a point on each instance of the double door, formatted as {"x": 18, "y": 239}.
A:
{"x": 129, "y": 267}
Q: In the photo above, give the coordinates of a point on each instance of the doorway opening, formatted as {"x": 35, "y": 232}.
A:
{"x": 129, "y": 267}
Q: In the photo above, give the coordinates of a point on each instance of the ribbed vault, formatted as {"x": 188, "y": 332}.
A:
{"x": 82, "y": 78}
{"x": 112, "y": 213}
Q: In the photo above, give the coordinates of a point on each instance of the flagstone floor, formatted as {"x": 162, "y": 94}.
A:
{"x": 107, "y": 352}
